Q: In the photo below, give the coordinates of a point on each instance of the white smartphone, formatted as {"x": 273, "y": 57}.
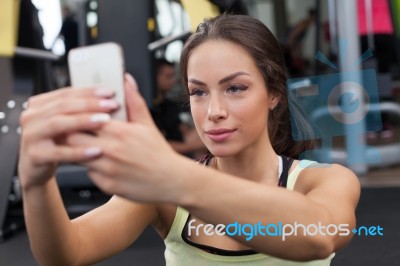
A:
{"x": 100, "y": 65}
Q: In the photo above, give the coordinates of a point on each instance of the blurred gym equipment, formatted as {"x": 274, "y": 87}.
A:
{"x": 23, "y": 69}
{"x": 26, "y": 69}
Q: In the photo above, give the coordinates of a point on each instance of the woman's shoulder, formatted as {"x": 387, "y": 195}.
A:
{"x": 312, "y": 174}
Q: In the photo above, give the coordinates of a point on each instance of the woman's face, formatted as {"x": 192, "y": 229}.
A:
{"x": 228, "y": 98}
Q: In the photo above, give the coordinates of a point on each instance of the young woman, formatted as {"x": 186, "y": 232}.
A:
{"x": 234, "y": 73}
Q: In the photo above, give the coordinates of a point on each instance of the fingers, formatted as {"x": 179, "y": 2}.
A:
{"x": 80, "y": 139}
{"x": 68, "y": 106}
{"x": 50, "y": 117}
{"x": 68, "y": 101}
{"x": 113, "y": 137}
{"x": 64, "y": 154}
{"x": 130, "y": 82}
{"x": 43, "y": 142}
{"x": 41, "y": 99}
{"x": 79, "y": 100}
{"x": 64, "y": 124}
{"x": 136, "y": 105}
{"x": 71, "y": 155}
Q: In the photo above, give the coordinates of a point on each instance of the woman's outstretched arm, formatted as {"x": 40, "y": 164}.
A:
{"x": 55, "y": 240}
{"x": 90, "y": 238}
{"x": 323, "y": 197}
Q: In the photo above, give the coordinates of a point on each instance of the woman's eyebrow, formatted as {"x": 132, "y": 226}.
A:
{"x": 232, "y": 76}
{"x": 195, "y": 81}
{"x": 225, "y": 79}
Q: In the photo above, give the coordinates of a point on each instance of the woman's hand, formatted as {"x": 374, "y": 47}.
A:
{"x": 136, "y": 159}
{"x": 46, "y": 123}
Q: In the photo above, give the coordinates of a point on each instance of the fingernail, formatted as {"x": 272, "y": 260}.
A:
{"x": 100, "y": 118}
{"x": 108, "y": 104}
{"x": 131, "y": 79}
{"x": 92, "y": 152}
{"x": 101, "y": 92}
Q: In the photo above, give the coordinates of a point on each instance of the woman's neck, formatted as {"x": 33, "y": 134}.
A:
{"x": 258, "y": 163}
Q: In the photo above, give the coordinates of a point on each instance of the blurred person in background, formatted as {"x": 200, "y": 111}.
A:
{"x": 166, "y": 113}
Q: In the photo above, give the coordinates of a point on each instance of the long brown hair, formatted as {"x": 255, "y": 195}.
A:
{"x": 260, "y": 43}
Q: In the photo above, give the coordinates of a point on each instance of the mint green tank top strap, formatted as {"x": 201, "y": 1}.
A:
{"x": 179, "y": 253}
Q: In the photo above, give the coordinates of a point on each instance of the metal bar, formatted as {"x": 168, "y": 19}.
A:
{"x": 6, "y": 83}
{"x": 167, "y": 40}
{"x": 317, "y": 32}
{"x": 389, "y": 155}
{"x": 349, "y": 54}
{"x": 36, "y": 53}
{"x": 332, "y": 26}
{"x": 383, "y": 107}
{"x": 9, "y": 146}
{"x": 369, "y": 22}
{"x": 11, "y": 106}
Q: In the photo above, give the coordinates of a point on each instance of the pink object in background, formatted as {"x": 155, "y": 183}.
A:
{"x": 381, "y": 17}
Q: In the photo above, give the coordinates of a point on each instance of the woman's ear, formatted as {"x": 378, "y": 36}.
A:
{"x": 274, "y": 101}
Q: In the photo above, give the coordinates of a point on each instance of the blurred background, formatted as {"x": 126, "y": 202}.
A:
{"x": 321, "y": 40}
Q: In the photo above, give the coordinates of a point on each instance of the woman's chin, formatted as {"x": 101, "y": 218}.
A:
{"x": 222, "y": 153}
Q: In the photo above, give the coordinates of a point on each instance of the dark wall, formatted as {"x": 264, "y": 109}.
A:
{"x": 126, "y": 22}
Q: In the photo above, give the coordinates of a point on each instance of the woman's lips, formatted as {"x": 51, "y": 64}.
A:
{"x": 219, "y": 135}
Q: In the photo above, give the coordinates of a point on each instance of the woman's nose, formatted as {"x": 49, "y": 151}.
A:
{"x": 216, "y": 109}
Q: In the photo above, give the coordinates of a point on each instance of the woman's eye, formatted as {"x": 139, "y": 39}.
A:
{"x": 197, "y": 92}
{"x": 236, "y": 89}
